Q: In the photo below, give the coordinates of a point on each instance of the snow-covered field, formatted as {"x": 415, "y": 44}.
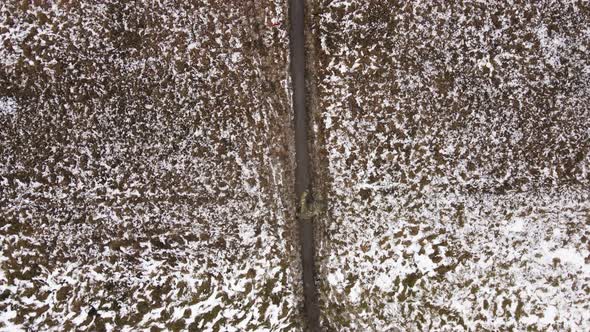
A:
{"x": 452, "y": 143}
{"x": 145, "y": 169}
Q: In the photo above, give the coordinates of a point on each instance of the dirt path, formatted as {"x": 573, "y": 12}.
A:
{"x": 302, "y": 172}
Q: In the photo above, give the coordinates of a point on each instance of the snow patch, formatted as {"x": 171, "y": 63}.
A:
{"x": 8, "y": 105}
{"x": 355, "y": 293}
{"x": 568, "y": 256}
{"x": 517, "y": 226}
{"x": 384, "y": 282}
{"x": 549, "y": 315}
{"x": 335, "y": 278}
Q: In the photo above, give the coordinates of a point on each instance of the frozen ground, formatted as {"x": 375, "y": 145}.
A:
{"x": 146, "y": 176}
{"x": 452, "y": 141}
{"x": 144, "y": 167}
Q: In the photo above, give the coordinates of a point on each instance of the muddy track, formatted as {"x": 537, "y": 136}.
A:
{"x": 303, "y": 168}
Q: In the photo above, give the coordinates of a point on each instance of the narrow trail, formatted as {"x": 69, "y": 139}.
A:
{"x": 303, "y": 168}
